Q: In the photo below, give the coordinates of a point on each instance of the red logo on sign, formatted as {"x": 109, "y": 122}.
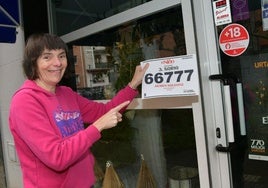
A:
{"x": 220, "y": 3}
{"x": 168, "y": 61}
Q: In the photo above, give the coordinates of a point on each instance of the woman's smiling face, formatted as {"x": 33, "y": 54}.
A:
{"x": 51, "y": 66}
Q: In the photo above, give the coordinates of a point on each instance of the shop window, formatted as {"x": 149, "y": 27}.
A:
{"x": 164, "y": 137}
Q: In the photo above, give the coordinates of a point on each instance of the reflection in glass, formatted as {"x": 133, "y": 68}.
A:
{"x": 70, "y": 15}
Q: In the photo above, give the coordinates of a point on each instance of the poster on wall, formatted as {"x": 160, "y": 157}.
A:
{"x": 255, "y": 81}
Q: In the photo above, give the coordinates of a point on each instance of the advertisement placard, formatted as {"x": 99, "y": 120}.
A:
{"x": 255, "y": 81}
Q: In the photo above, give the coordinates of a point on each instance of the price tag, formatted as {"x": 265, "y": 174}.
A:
{"x": 171, "y": 76}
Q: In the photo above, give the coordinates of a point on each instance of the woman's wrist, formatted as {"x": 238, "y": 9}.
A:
{"x": 100, "y": 128}
{"x": 132, "y": 86}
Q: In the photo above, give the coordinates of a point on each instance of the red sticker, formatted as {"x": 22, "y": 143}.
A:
{"x": 234, "y": 40}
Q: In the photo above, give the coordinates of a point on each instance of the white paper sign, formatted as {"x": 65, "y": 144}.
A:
{"x": 171, "y": 76}
{"x": 222, "y": 12}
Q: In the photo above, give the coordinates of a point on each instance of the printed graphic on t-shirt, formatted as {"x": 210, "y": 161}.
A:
{"x": 68, "y": 122}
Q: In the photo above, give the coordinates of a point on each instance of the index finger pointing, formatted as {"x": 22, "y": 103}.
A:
{"x": 122, "y": 105}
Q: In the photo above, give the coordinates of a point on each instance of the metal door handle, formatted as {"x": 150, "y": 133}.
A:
{"x": 240, "y": 103}
{"x": 222, "y": 148}
{"x": 228, "y": 113}
{"x": 241, "y": 111}
{"x": 227, "y": 105}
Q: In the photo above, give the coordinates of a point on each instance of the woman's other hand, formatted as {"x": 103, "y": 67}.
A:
{"x": 138, "y": 76}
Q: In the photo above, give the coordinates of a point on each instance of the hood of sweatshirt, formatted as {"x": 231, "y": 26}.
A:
{"x": 31, "y": 85}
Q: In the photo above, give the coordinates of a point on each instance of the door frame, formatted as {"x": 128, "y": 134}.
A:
{"x": 209, "y": 57}
{"x": 191, "y": 46}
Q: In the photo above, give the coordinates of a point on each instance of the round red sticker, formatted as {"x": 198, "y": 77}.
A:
{"x": 234, "y": 40}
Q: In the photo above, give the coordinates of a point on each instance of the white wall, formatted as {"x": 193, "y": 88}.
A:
{"x": 11, "y": 77}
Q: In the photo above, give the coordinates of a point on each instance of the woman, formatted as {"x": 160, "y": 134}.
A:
{"x": 46, "y": 120}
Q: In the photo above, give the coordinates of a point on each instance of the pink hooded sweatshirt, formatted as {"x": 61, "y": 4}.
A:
{"x": 52, "y": 145}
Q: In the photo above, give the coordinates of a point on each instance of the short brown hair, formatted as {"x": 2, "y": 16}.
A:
{"x": 35, "y": 45}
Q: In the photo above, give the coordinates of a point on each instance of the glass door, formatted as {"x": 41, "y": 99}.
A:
{"x": 243, "y": 43}
{"x": 170, "y": 137}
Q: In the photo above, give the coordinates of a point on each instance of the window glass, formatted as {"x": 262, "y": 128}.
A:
{"x": 109, "y": 57}
{"x": 70, "y": 15}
